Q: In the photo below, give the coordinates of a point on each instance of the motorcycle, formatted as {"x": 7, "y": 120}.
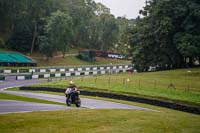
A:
{"x": 73, "y": 98}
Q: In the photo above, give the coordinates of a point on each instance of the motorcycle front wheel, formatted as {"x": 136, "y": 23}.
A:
{"x": 68, "y": 102}
{"x": 78, "y": 103}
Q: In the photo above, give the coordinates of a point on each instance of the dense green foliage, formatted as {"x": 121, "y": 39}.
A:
{"x": 58, "y": 34}
{"x": 168, "y": 35}
{"x": 57, "y": 25}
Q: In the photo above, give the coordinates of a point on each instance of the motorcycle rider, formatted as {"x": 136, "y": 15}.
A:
{"x": 71, "y": 89}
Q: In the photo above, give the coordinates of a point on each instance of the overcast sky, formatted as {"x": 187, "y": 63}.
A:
{"x": 128, "y": 8}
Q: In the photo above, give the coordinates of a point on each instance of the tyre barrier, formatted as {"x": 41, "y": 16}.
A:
{"x": 2, "y": 78}
{"x": 162, "y": 103}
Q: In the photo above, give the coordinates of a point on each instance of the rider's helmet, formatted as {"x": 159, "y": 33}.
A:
{"x": 71, "y": 82}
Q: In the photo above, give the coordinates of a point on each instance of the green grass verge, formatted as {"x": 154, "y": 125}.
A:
{"x": 152, "y": 85}
{"x": 4, "y": 96}
{"x": 98, "y": 121}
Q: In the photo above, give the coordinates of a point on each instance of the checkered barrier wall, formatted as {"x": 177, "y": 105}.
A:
{"x": 61, "y": 69}
{"x": 75, "y": 72}
{"x": 46, "y": 70}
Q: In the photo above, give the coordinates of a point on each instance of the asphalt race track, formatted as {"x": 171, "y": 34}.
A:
{"x": 11, "y": 82}
{"x": 8, "y": 106}
{"x": 88, "y": 103}
{"x": 11, "y": 106}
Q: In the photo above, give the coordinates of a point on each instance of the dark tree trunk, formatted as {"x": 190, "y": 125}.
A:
{"x": 190, "y": 62}
{"x": 182, "y": 63}
{"x": 47, "y": 58}
{"x": 199, "y": 59}
{"x": 34, "y": 38}
{"x": 63, "y": 53}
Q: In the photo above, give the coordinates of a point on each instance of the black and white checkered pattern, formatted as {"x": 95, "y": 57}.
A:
{"x": 36, "y": 73}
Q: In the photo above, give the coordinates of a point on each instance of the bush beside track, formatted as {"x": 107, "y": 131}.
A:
{"x": 172, "y": 104}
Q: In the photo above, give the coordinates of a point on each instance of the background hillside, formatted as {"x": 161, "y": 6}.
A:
{"x": 166, "y": 36}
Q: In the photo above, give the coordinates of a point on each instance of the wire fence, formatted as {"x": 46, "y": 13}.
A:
{"x": 137, "y": 83}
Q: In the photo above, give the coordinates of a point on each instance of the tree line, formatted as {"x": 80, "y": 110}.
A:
{"x": 57, "y": 25}
{"x": 168, "y": 34}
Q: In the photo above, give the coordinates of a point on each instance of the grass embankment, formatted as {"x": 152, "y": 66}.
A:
{"x": 153, "y": 85}
{"x": 72, "y": 60}
{"x": 98, "y": 121}
{"x": 5, "y": 50}
{"x": 69, "y": 60}
{"x": 4, "y": 96}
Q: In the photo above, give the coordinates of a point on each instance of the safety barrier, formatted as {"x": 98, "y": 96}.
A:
{"x": 2, "y": 78}
{"x": 87, "y": 71}
{"x": 62, "y": 69}
{"x": 172, "y": 104}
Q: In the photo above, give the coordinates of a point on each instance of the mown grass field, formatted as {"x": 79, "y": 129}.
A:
{"x": 72, "y": 60}
{"x": 98, "y": 121}
{"x": 154, "y": 84}
{"x": 4, "y": 96}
